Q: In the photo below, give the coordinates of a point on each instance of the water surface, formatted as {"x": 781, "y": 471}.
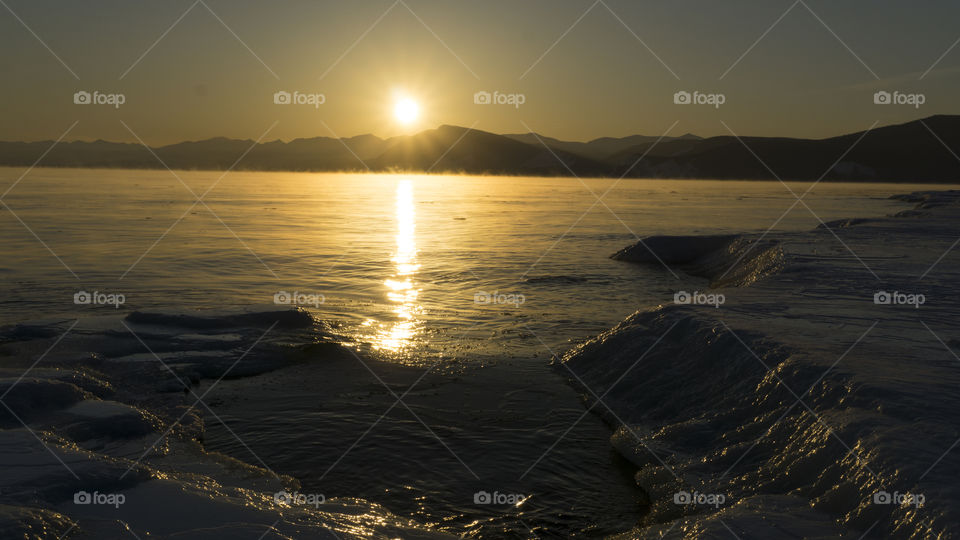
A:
{"x": 454, "y": 292}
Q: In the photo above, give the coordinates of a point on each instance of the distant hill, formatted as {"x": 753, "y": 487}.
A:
{"x": 316, "y": 154}
{"x": 906, "y": 152}
{"x": 451, "y": 148}
{"x": 599, "y": 149}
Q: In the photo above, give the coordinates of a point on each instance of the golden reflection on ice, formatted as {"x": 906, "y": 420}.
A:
{"x": 401, "y": 289}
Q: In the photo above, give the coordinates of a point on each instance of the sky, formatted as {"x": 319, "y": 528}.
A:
{"x": 570, "y": 69}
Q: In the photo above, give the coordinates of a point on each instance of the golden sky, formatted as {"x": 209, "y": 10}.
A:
{"x": 193, "y": 69}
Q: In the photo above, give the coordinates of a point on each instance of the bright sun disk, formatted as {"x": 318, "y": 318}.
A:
{"x": 406, "y": 111}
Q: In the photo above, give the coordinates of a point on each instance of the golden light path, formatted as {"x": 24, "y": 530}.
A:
{"x": 400, "y": 288}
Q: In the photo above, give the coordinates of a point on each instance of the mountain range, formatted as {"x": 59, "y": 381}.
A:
{"x": 916, "y": 151}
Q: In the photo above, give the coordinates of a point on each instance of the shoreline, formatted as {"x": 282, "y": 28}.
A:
{"x": 109, "y": 439}
{"x": 713, "y": 406}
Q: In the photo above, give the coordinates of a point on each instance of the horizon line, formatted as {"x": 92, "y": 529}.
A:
{"x": 440, "y": 126}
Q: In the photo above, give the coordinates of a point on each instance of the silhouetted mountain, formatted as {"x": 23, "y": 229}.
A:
{"x": 451, "y": 148}
{"x": 77, "y": 154}
{"x": 598, "y": 149}
{"x": 918, "y": 151}
{"x": 921, "y": 150}
{"x": 315, "y": 154}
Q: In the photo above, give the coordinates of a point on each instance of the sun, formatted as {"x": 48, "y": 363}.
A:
{"x": 406, "y": 111}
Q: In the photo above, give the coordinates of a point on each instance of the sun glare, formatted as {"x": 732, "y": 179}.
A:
{"x": 406, "y": 111}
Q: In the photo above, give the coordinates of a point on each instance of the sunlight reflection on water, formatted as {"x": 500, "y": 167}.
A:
{"x": 399, "y": 259}
{"x": 401, "y": 288}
